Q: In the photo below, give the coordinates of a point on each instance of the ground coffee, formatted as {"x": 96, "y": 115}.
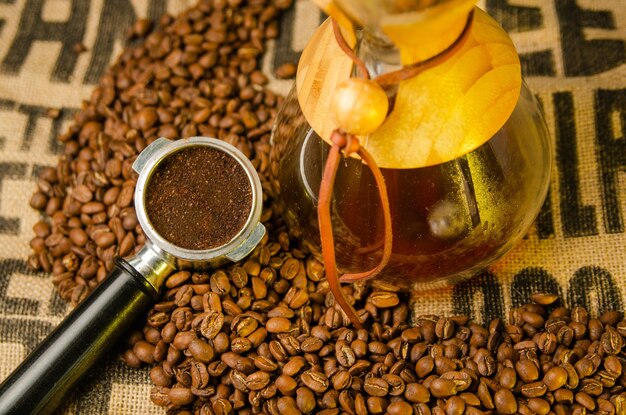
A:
{"x": 198, "y": 198}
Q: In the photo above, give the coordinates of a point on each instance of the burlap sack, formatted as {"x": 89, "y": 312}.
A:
{"x": 574, "y": 57}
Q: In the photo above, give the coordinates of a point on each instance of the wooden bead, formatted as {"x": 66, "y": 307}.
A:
{"x": 359, "y": 106}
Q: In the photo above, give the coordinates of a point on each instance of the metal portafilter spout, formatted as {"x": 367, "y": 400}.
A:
{"x": 38, "y": 385}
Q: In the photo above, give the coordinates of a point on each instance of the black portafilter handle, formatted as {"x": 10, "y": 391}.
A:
{"x": 39, "y": 384}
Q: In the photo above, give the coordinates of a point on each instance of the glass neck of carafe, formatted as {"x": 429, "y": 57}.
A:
{"x": 378, "y": 53}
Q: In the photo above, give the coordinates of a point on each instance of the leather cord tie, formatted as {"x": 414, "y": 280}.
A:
{"x": 347, "y": 144}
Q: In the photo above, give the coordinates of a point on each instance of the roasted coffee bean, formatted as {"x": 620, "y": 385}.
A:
{"x": 612, "y": 342}
{"x": 179, "y": 395}
{"x": 424, "y": 366}
{"x": 144, "y": 351}
{"x": 443, "y": 388}
{"x": 201, "y": 351}
{"x": 285, "y": 71}
{"x": 484, "y": 395}
{"x": 400, "y": 408}
{"x": 317, "y": 382}
{"x": 544, "y": 298}
{"x": 211, "y": 324}
{"x": 342, "y": 380}
{"x": 505, "y": 402}
{"x": 416, "y": 393}
{"x": 240, "y": 345}
{"x": 527, "y": 370}
{"x": 305, "y": 400}
{"x": 159, "y": 377}
{"x": 585, "y": 401}
{"x": 376, "y": 405}
{"x": 455, "y": 406}
{"x": 240, "y": 363}
{"x": 286, "y": 384}
{"x": 199, "y": 375}
{"x": 508, "y": 378}
{"x": 534, "y": 390}
{"x": 344, "y": 354}
{"x": 294, "y": 365}
{"x": 277, "y": 325}
{"x": 384, "y": 299}
{"x": 374, "y": 386}
{"x": 160, "y": 395}
{"x": 287, "y": 406}
{"x": 462, "y": 379}
{"x": 555, "y": 378}
{"x": 444, "y": 329}
{"x": 258, "y": 380}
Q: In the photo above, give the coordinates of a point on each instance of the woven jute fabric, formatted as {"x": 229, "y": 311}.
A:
{"x": 574, "y": 60}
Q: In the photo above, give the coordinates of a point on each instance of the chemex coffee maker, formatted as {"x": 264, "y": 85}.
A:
{"x": 409, "y": 148}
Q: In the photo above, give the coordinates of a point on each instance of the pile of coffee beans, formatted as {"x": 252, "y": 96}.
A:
{"x": 197, "y": 75}
{"x": 265, "y": 335}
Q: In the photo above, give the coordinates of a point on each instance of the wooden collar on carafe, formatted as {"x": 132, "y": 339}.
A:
{"x": 344, "y": 141}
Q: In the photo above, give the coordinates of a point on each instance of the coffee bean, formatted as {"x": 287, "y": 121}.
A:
{"x": 455, "y": 406}
{"x": 287, "y": 406}
{"x": 612, "y": 341}
{"x": 277, "y": 325}
{"x": 177, "y": 279}
{"x": 444, "y": 329}
{"x": 199, "y": 376}
{"x": 160, "y": 395}
{"x": 443, "y": 388}
{"x": 508, "y": 378}
{"x": 211, "y": 324}
{"x": 180, "y": 395}
{"x": 286, "y": 384}
{"x": 544, "y": 298}
{"x": 244, "y": 326}
{"x": 377, "y": 405}
{"x": 534, "y": 390}
{"x": 344, "y": 354}
{"x": 159, "y": 377}
{"x": 585, "y": 401}
{"x": 584, "y": 367}
{"x": 376, "y": 387}
{"x": 555, "y": 378}
{"x": 505, "y": 402}
{"x": 527, "y": 370}
{"x": 258, "y": 380}
{"x": 294, "y": 365}
{"x": 234, "y": 361}
{"x": 342, "y": 380}
{"x": 305, "y": 400}
{"x": 201, "y": 351}
{"x": 317, "y": 382}
{"x": 424, "y": 366}
{"x": 144, "y": 351}
{"x": 285, "y": 71}
{"x": 400, "y": 408}
{"x": 484, "y": 395}
{"x": 384, "y": 299}
{"x": 462, "y": 379}
{"x": 565, "y": 396}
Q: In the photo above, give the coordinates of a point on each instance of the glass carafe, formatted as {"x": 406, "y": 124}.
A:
{"x": 450, "y": 219}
